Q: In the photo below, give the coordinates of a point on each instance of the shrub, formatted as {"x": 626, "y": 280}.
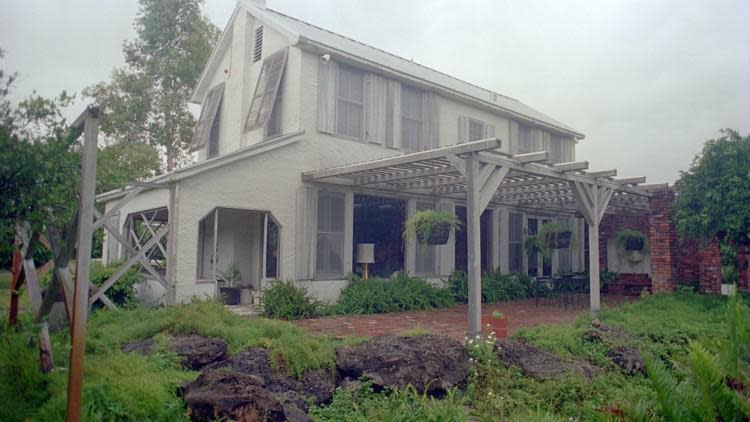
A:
{"x": 496, "y": 287}
{"x": 285, "y": 300}
{"x": 382, "y": 295}
{"x": 122, "y": 292}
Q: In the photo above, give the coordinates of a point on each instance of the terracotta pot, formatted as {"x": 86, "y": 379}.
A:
{"x": 498, "y": 325}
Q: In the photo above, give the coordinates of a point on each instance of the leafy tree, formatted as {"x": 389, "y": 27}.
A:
{"x": 147, "y": 100}
{"x": 713, "y": 196}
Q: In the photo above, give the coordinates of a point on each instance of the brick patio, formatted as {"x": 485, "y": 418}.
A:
{"x": 451, "y": 322}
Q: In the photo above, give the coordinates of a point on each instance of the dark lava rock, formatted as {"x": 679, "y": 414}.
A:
{"x": 619, "y": 346}
{"x": 247, "y": 387}
{"x": 145, "y": 347}
{"x": 219, "y": 393}
{"x": 198, "y": 352}
{"x": 539, "y": 363}
{"x": 430, "y": 363}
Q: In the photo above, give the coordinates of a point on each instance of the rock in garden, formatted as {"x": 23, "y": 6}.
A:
{"x": 539, "y": 363}
{"x": 223, "y": 394}
{"x": 198, "y": 352}
{"x": 619, "y": 346}
{"x": 430, "y": 363}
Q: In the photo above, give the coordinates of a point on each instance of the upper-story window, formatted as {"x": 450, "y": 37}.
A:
{"x": 412, "y": 138}
{"x": 266, "y": 92}
{"x": 470, "y": 129}
{"x": 525, "y": 140}
{"x": 350, "y": 102}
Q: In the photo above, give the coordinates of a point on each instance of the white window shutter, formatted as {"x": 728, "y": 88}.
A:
{"x": 489, "y": 131}
{"x": 307, "y": 216}
{"x": 393, "y": 115}
{"x": 327, "y": 80}
{"x": 513, "y": 137}
{"x": 376, "y": 99}
{"x": 266, "y": 89}
{"x": 463, "y": 129}
{"x": 206, "y": 119}
{"x": 430, "y": 120}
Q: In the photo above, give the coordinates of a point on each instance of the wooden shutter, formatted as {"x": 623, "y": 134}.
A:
{"x": 489, "y": 131}
{"x": 327, "y": 81}
{"x": 208, "y": 114}
{"x": 376, "y": 98}
{"x": 393, "y": 115}
{"x": 266, "y": 89}
{"x": 463, "y": 129}
{"x": 430, "y": 120}
{"x": 513, "y": 137}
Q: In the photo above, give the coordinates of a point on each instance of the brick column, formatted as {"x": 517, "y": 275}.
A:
{"x": 709, "y": 267}
{"x": 663, "y": 238}
{"x": 743, "y": 266}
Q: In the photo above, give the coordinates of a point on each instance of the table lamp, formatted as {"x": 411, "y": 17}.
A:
{"x": 366, "y": 256}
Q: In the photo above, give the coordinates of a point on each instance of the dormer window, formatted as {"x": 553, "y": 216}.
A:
{"x": 258, "y": 46}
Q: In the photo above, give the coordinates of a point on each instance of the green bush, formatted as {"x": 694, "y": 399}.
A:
{"x": 496, "y": 287}
{"x": 285, "y": 300}
{"x": 383, "y": 295}
{"x": 122, "y": 292}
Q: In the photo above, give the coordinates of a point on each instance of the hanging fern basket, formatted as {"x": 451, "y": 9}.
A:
{"x": 562, "y": 240}
{"x": 439, "y": 234}
{"x": 634, "y": 243}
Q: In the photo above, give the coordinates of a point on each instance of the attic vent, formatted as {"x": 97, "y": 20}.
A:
{"x": 258, "y": 48}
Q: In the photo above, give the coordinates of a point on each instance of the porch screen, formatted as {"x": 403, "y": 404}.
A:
{"x": 266, "y": 89}
{"x": 330, "y": 235}
{"x": 206, "y": 127}
{"x": 515, "y": 247}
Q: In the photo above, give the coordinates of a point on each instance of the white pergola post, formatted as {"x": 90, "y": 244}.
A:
{"x": 593, "y": 200}
{"x": 474, "y": 245}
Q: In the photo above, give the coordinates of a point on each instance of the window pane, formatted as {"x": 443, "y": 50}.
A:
{"x": 350, "y": 104}
{"x": 476, "y": 130}
{"x": 411, "y": 119}
{"x": 515, "y": 248}
{"x": 524, "y": 139}
{"x": 272, "y": 249}
{"x": 330, "y": 238}
{"x": 556, "y": 150}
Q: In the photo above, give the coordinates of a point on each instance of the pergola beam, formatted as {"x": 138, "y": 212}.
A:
{"x": 572, "y": 166}
{"x": 532, "y": 157}
{"x": 630, "y": 180}
{"x": 601, "y": 174}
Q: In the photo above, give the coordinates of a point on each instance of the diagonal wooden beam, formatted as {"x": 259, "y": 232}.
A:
{"x": 126, "y": 266}
{"x": 121, "y": 203}
{"x": 487, "y": 192}
{"x": 458, "y": 162}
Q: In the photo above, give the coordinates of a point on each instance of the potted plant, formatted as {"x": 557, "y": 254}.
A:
{"x": 497, "y": 323}
{"x": 555, "y": 236}
{"x": 632, "y": 243}
{"x": 230, "y": 294}
{"x": 431, "y": 227}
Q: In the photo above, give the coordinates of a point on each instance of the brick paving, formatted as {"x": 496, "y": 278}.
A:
{"x": 453, "y": 321}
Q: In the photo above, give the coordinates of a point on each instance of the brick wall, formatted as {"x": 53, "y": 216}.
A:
{"x": 663, "y": 237}
{"x": 626, "y": 284}
{"x": 743, "y": 266}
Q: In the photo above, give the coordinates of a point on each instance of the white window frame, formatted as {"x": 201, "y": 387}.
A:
{"x": 330, "y": 274}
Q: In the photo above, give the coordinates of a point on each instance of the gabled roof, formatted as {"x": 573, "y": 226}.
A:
{"x": 304, "y": 34}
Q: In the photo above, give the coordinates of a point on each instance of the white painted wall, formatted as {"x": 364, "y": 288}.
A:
{"x": 621, "y": 262}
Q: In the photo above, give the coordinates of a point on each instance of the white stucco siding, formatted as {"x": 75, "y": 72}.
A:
{"x": 267, "y": 182}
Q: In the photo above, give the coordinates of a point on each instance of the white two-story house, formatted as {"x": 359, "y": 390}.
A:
{"x": 282, "y": 99}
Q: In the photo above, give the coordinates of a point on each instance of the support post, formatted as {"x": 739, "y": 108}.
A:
{"x": 473, "y": 212}
{"x": 83, "y": 258}
{"x": 171, "y": 293}
{"x": 594, "y": 300}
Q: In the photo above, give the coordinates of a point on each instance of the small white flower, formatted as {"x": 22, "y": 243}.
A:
{"x": 490, "y": 393}
{"x": 479, "y": 336}
{"x": 501, "y": 397}
{"x": 476, "y": 345}
{"x": 471, "y": 341}
{"x": 471, "y": 359}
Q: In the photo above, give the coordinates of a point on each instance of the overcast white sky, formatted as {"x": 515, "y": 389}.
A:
{"x": 647, "y": 81}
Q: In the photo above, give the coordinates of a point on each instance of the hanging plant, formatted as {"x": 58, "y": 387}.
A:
{"x": 431, "y": 227}
{"x": 630, "y": 240}
{"x": 553, "y": 236}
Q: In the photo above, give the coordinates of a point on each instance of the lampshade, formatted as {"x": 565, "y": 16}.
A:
{"x": 366, "y": 253}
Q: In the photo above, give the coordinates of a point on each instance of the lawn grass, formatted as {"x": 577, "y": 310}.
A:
{"x": 132, "y": 387}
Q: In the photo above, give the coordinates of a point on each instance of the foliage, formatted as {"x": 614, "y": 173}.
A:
{"x": 147, "y": 100}
{"x": 364, "y": 404}
{"x": 120, "y": 163}
{"x": 285, "y": 300}
{"x": 622, "y": 236}
{"x": 423, "y": 222}
{"x": 396, "y": 294}
{"x": 231, "y": 275}
{"x": 713, "y": 196}
{"x": 496, "y": 287}
{"x": 122, "y": 292}
{"x": 607, "y": 277}
{"x": 708, "y": 386}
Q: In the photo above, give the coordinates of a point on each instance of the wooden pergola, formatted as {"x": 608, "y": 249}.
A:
{"x": 479, "y": 173}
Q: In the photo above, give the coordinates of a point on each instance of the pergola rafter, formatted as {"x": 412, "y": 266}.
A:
{"x": 479, "y": 173}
